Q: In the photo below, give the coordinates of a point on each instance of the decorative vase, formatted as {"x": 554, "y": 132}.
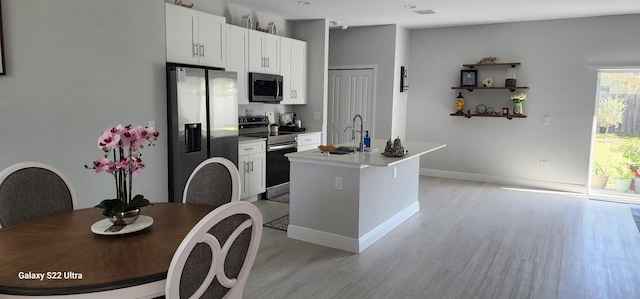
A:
{"x": 517, "y": 108}
{"x": 127, "y": 217}
{"x": 459, "y": 104}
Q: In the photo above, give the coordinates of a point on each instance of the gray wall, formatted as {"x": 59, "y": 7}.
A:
{"x": 399, "y": 118}
{"x": 554, "y": 56}
{"x": 75, "y": 67}
{"x": 370, "y": 46}
{"x": 316, "y": 34}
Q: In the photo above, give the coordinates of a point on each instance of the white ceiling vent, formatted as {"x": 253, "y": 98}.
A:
{"x": 425, "y": 12}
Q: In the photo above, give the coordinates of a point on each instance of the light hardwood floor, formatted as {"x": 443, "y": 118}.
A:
{"x": 469, "y": 240}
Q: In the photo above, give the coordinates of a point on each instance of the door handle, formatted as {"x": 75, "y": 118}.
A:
{"x": 195, "y": 50}
{"x": 251, "y": 166}
{"x": 202, "y": 50}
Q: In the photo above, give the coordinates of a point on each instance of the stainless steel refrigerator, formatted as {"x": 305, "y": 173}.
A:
{"x": 202, "y": 108}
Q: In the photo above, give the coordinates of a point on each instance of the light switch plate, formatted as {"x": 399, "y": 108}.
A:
{"x": 338, "y": 183}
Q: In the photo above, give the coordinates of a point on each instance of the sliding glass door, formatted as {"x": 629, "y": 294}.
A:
{"x": 615, "y": 162}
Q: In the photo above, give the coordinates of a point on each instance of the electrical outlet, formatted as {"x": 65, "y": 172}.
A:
{"x": 543, "y": 164}
{"x": 338, "y": 183}
{"x": 547, "y": 120}
{"x": 152, "y": 124}
{"x": 316, "y": 116}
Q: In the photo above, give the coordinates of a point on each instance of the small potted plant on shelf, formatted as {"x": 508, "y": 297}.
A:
{"x": 518, "y": 99}
{"x": 487, "y": 82}
{"x": 600, "y": 177}
{"x": 624, "y": 177}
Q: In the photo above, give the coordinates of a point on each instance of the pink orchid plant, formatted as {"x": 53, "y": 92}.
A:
{"x": 124, "y": 144}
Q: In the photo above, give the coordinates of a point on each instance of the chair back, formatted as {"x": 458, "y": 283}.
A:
{"x": 31, "y": 189}
{"x": 214, "y": 259}
{"x": 214, "y": 182}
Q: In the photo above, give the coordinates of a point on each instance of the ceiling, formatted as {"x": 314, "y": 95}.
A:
{"x": 448, "y": 12}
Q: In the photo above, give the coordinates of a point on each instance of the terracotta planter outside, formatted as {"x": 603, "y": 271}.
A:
{"x": 599, "y": 181}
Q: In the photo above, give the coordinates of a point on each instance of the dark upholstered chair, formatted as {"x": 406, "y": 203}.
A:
{"x": 214, "y": 182}
{"x": 214, "y": 259}
{"x": 30, "y": 189}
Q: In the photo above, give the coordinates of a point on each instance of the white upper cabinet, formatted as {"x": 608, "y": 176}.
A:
{"x": 264, "y": 52}
{"x": 293, "y": 65}
{"x": 237, "y": 40}
{"x": 194, "y": 37}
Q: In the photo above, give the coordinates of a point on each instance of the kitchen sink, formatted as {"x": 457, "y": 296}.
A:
{"x": 341, "y": 150}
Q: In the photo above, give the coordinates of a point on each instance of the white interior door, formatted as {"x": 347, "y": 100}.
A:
{"x": 350, "y": 93}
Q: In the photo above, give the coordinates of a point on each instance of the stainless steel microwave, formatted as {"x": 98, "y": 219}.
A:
{"x": 266, "y": 88}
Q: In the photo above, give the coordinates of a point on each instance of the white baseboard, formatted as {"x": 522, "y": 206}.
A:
{"x": 348, "y": 243}
{"x": 322, "y": 238}
{"x": 475, "y": 177}
{"x": 377, "y": 233}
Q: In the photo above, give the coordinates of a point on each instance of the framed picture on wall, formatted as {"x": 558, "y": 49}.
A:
{"x": 469, "y": 78}
{"x": 2, "y": 72}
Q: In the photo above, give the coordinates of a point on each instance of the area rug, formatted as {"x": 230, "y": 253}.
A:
{"x": 284, "y": 198}
{"x": 636, "y": 216}
{"x": 281, "y": 223}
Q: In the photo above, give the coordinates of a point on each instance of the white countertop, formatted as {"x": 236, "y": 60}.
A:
{"x": 372, "y": 158}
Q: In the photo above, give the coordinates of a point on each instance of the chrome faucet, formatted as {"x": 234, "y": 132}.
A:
{"x": 361, "y": 146}
{"x": 352, "y": 135}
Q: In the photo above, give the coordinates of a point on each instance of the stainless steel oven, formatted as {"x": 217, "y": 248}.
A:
{"x": 278, "y": 167}
{"x": 278, "y": 145}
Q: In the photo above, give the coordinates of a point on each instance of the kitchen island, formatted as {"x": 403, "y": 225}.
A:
{"x": 351, "y": 201}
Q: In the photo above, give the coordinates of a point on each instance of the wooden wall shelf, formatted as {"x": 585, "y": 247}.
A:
{"x": 470, "y": 115}
{"x": 471, "y": 88}
{"x": 502, "y": 64}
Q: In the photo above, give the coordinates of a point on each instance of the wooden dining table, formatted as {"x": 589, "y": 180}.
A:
{"x": 60, "y": 255}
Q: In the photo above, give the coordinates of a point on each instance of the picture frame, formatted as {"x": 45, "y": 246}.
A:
{"x": 469, "y": 78}
{"x": 2, "y": 66}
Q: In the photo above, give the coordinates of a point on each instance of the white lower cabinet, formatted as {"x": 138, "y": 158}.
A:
{"x": 252, "y": 159}
{"x": 308, "y": 141}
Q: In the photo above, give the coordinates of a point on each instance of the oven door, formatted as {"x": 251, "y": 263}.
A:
{"x": 277, "y": 164}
